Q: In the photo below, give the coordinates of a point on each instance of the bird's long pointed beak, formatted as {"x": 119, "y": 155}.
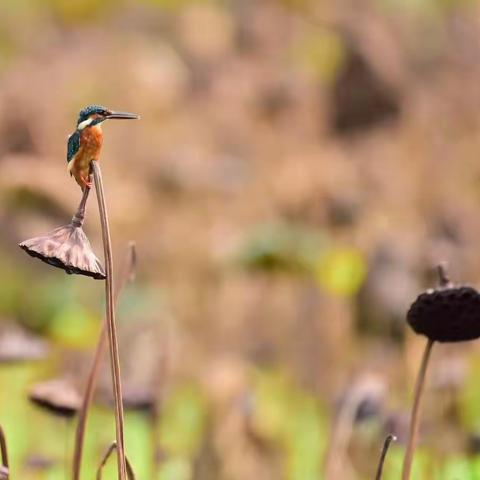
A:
{"x": 123, "y": 115}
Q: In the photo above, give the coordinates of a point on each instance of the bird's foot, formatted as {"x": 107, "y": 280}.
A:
{"x": 86, "y": 183}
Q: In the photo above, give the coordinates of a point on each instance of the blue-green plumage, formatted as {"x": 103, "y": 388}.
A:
{"x": 86, "y": 112}
{"x": 73, "y": 145}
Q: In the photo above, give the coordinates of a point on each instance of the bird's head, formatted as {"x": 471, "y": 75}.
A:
{"x": 95, "y": 114}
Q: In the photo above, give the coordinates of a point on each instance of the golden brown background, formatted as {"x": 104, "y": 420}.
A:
{"x": 299, "y": 169}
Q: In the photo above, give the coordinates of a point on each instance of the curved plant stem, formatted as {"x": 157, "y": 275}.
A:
{"x": 106, "y": 456}
{"x": 79, "y": 216}
{"x": 414, "y": 420}
{"x": 3, "y": 448}
{"x": 87, "y": 401}
{"x": 128, "y": 273}
{"x": 342, "y": 429}
{"x": 4, "y": 467}
{"x": 386, "y": 444}
{"x": 110, "y": 317}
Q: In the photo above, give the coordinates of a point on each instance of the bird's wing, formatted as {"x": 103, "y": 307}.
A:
{"x": 73, "y": 145}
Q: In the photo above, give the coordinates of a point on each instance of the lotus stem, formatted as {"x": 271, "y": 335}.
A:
{"x": 415, "y": 417}
{"x": 86, "y": 402}
{"x": 4, "y": 467}
{"x": 106, "y": 456}
{"x": 79, "y": 216}
{"x": 127, "y": 275}
{"x": 386, "y": 444}
{"x": 110, "y": 318}
{"x": 3, "y": 448}
{"x": 443, "y": 277}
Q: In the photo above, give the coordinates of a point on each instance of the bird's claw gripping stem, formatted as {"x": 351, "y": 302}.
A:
{"x": 86, "y": 183}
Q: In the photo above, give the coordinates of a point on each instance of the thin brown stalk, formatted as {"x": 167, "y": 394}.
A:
{"x": 443, "y": 278}
{"x": 3, "y": 448}
{"x": 106, "y": 456}
{"x": 110, "y": 316}
{"x": 341, "y": 432}
{"x": 386, "y": 444}
{"x": 87, "y": 401}
{"x": 128, "y": 273}
{"x": 79, "y": 216}
{"x": 415, "y": 417}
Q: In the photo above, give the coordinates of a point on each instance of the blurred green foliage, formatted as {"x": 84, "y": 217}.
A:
{"x": 73, "y": 326}
{"x": 427, "y": 7}
{"x": 469, "y": 397}
{"x": 321, "y": 54}
{"x": 282, "y": 248}
{"x": 184, "y": 421}
{"x": 299, "y": 250}
{"x": 292, "y": 419}
{"x": 341, "y": 271}
{"x": 174, "y": 4}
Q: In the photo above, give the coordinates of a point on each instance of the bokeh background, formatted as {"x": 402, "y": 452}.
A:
{"x": 299, "y": 169}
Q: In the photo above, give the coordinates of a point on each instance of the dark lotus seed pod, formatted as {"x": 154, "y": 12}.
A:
{"x": 450, "y": 314}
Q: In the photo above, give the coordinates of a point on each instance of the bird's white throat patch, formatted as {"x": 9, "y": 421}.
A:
{"x": 84, "y": 124}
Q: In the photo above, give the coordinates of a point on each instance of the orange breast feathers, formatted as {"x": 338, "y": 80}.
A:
{"x": 91, "y": 140}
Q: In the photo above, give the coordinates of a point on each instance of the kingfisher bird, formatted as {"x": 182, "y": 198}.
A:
{"x": 85, "y": 143}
